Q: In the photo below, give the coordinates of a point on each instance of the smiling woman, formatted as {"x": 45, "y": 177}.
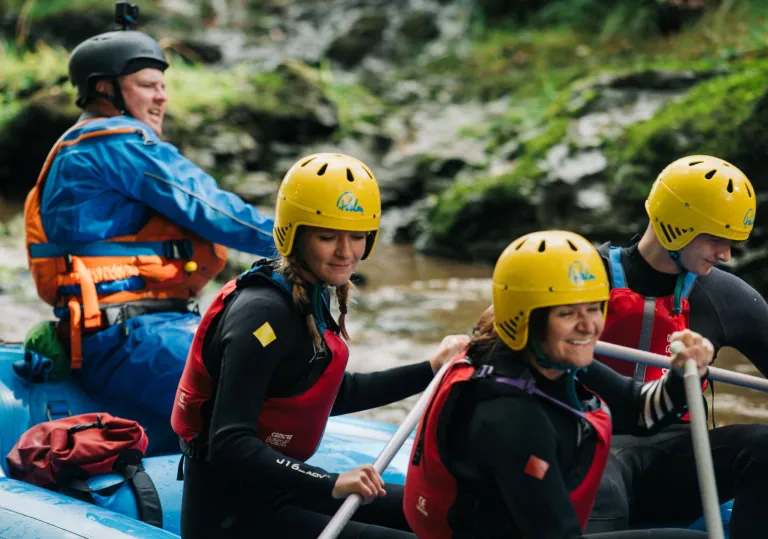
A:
{"x": 331, "y": 255}
{"x": 517, "y": 435}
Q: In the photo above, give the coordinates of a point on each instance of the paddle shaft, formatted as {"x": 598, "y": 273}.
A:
{"x": 656, "y": 360}
{"x": 699, "y": 433}
{"x": 705, "y": 470}
{"x": 353, "y": 501}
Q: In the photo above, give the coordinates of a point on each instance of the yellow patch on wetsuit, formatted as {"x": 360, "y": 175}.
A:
{"x": 265, "y": 334}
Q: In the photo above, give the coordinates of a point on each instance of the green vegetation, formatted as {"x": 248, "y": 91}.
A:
{"x": 23, "y": 75}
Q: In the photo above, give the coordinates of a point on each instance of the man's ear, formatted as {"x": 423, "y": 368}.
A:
{"x": 104, "y": 86}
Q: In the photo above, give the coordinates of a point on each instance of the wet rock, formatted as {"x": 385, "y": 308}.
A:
{"x": 302, "y": 113}
{"x": 419, "y": 27}
{"x": 509, "y": 150}
{"x": 362, "y": 37}
{"x": 254, "y": 187}
{"x": 194, "y": 49}
{"x": 27, "y": 139}
{"x": 572, "y": 168}
{"x": 656, "y": 79}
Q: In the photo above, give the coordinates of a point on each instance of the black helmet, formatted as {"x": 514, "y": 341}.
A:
{"x": 111, "y": 55}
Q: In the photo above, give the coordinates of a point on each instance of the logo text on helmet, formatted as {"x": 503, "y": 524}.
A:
{"x": 578, "y": 273}
{"x": 749, "y": 218}
{"x": 348, "y": 202}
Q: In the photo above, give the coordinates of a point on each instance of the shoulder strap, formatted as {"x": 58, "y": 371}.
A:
{"x": 128, "y": 465}
{"x": 618, "y": 279}
{"x": 526, "y": 383}
{"x": 263, "y": 271}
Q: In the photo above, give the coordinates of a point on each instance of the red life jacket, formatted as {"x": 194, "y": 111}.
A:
{"x": 430, "y": 489}
{"x": 642, "y": 323}
{"x": 293, "y": 426}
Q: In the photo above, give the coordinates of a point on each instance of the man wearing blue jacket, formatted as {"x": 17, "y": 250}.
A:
{"x": 122, "y": 231}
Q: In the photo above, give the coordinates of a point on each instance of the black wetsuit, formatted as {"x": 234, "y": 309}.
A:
{"x": 653, "y": 480}
{"x": 242, "y": 487}
{"x": 488, "y": 431}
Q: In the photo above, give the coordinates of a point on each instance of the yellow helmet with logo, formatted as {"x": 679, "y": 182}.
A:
{"x": 700, "y": 194}
{"x": 544, "y": 269}
{"x": 327, "y": 190}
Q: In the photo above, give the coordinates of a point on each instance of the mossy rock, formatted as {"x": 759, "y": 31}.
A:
{"x": 26, "y": 140}
{"x": 66, "y": 23}
{"x": 477, "y": 219}
{"x": 725, "y": 116}
{"x": 419, "y": 27}
{"x": 362, "y": 38}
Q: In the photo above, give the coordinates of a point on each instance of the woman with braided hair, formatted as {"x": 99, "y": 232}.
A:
{"x": 267, "y": 369}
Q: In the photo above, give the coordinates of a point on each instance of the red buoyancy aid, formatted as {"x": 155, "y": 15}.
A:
{"x": 430, "y": 489}
{"x": 641, "y": 323}
{"x": 164, "y": 260}
{"x": 294, "y": 425}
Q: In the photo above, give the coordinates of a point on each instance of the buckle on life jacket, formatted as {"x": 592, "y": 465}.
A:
{"x": 483, "y": 372}
{"x": 194, "y": 449}
{"x": 178, "y": 249}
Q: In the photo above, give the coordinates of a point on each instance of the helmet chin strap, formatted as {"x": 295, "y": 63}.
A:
{"x": 570, "y": 372}
{"x": 117, "y": 98}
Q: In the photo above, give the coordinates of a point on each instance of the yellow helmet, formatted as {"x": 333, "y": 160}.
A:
{"x": 544, "y": 269}
{"x": 700, "y": 194}
{"x": 327, "y": 190}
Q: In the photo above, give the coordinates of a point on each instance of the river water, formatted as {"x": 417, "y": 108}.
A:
{"x": 408, "y": 303}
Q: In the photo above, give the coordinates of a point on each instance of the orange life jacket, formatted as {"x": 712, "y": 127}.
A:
{"x": 172, "y": 263}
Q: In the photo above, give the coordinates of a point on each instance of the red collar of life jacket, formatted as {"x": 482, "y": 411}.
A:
{"x": 430, "y": 489}
{"x": 294, "y": 426}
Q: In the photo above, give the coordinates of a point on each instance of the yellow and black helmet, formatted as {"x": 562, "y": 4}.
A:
{"x": 544, "y": 269}
{"x": 327, "y": 190}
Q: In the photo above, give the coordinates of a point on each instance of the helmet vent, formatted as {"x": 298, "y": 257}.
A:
{"x": 308, "y": 161}
{"x": 322, "y": 169}
{"x": 543, "y": 246}
{"x": 693, "y": 163}
{"x": 510, "y": 328}
{"x": 280, "y": 234}
{"x": 749, "y": 192}
{"x": 572, "y": 246}
{"x": 350, "y": 177}
{"x": 671, "y": 232}
{"x": 730, "y": 186}
{"x": 370, "y": 174}
{"x": 710, "y": 174}
{"x": 517, "y": 247}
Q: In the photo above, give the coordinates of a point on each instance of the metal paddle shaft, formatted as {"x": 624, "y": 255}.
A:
{"x": 700, "y": 436}
{"x": 705, "y": 470}
{"x": 353, "y": 501}
{"x": 656, "y": 360}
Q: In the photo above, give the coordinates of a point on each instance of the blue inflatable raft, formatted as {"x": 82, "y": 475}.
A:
{"x": 28, "y": 512}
